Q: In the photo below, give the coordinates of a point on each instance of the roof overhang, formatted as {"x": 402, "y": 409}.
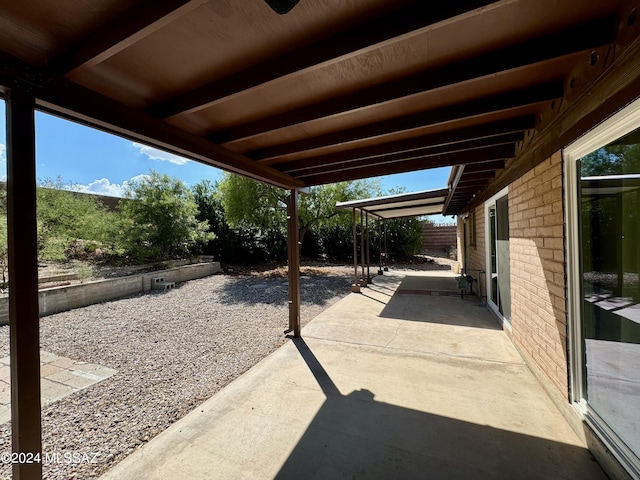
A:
{"x": 330, "y": 91}
{"x": 429, "y": 202}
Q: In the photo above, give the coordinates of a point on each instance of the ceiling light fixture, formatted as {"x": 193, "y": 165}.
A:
{"x": 282, "y": 6}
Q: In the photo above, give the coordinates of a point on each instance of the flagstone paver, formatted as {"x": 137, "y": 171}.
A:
{"x": 59, "y": 377}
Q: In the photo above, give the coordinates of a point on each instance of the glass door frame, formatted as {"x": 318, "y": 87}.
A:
{"x": 488, "y": 205}
{"x": 616, "y": 126}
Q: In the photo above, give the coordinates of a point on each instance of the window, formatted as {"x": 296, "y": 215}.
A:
{"x": 472, "y": 229}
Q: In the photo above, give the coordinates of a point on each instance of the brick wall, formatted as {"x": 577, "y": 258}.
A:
{"x": 537, "y": 270}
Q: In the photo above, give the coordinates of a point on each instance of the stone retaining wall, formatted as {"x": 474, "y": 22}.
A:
{"x": 59, "y": 299}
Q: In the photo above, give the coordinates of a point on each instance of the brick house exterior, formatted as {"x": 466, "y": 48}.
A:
{"x": 539, "y": 271}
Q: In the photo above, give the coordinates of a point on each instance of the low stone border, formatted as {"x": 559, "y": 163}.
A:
{"x": 59, "y": 299}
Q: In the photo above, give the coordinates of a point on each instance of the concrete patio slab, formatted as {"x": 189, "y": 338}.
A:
{"x": 429, "y": 387}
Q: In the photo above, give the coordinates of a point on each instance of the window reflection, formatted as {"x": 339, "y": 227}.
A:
{"x": 610, "y": 263}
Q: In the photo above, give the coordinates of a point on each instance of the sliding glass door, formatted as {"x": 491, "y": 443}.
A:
{"x": 498, "y": 257}
{"x": 605, "y": 283}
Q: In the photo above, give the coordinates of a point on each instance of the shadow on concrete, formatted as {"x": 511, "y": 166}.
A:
{"x": 363, "y": 292}
{"x": 435, "y": 300}
{"x": 382, "y": 289}
{"x": 355, "y": 436}
{"x": 254, "y": 291}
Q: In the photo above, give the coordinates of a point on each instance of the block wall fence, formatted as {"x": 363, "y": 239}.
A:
{"x": 59, "y": 299}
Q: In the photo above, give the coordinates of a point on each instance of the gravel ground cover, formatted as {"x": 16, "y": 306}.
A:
{"x": 172, "y": 350}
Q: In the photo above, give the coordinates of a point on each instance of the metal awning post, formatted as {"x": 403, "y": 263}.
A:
{"x": 355, "y": 288}
{"x": 26, "y": 428}
{"x": 369, "y": 279}
{"x": 386, "y": 254}
{"x": 637, "y": 256}
{"x": 294, "y": 263}
{"x": 380, "y": 272}
{"x": 363, "y": 281}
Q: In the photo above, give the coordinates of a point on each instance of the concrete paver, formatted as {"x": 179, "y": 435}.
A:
{"x": 50, "y": 390}
{"x": 381, "y": 385}
{"x": 59, "y": 377}
{"x": 48, "y": 357}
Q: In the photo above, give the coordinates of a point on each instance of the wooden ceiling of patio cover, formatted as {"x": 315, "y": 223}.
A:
{"x": 334, "y": 90}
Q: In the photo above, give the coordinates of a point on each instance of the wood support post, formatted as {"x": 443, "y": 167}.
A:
{"x": 355, "y": 288}
{"x": 24, "y": 318}
{"x": 294, "y": 263}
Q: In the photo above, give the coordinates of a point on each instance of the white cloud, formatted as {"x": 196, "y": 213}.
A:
{"x": 156, "y": 154}
{"x": 104, "y": 186}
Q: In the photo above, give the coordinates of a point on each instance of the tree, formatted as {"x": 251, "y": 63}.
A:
{"x": 246, "y": 200}
{"x": 65, "y": 217}
{"x": 318, "y": 207}
{"x": 245, "y": 242}
{"x": 324, "y": 230}
{"x": 615, "y": 159}
{"x": 404, "y": 237}
{"x": 251, "y": 202}
{"x": 160, "y": 218}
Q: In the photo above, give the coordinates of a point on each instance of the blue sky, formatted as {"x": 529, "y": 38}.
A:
{"x": 101, "y": 163}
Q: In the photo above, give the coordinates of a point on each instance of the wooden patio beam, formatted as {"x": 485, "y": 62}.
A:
{"x": 314, "y": 168}
{"x": 475, "y": 183}
{"x": 74, "y": 102}
{"x": 473, "y": 177}
{"x": 512, "y": 125}
{"x": 467, "y": 188}
{"x": 497, "y": 103}
{"x": 389, "y": 28}
{"x": 538, "y": 51}
{"x": 490, "y": 166}
{"x": 457, "y": 158}
{"x": 605, "y": 81}
{"x": 130, "y": 27}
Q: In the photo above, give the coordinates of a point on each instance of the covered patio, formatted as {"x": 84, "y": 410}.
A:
{"x": 401, "y": 381}
{"x": 327, "y": 92}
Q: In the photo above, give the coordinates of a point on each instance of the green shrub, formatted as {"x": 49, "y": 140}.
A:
{"x": 160, "y": 220}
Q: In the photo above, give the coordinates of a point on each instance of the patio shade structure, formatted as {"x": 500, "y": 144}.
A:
{"x": 324, "y": 91}
{"x": 415, "y": 204}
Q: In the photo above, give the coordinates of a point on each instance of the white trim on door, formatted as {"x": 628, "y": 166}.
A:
{"x": 491, "y": 202}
